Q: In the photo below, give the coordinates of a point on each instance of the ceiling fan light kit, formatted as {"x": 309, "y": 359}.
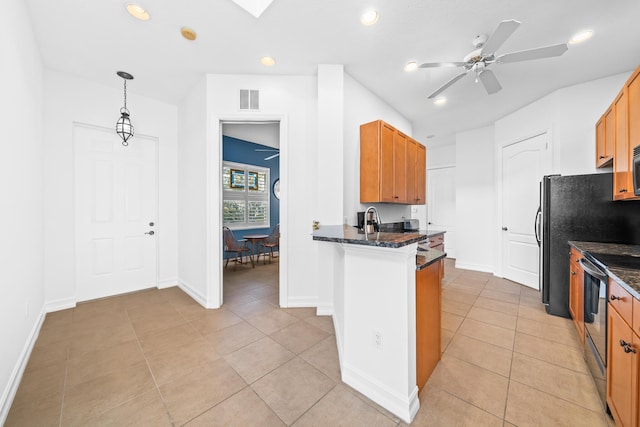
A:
{"x": 483, "y": 56}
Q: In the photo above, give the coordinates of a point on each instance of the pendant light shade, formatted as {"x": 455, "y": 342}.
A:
{"x": 124, "y": 128}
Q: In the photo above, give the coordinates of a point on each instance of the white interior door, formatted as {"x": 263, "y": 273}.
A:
{"x": 115, "y": 206}
{"x": 523, "y": 166}
{"x": 441, "y": 205}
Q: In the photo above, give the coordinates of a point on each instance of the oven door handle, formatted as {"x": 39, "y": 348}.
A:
{"x": 594, "y": 271}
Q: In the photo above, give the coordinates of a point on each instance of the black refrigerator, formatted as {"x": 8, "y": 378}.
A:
{"x": 578, "y": 207}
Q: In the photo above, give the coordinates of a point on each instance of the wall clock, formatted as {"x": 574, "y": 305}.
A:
{"x": 276, "y": 189}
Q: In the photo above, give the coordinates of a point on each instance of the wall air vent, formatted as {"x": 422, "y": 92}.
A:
{"x": 249, "y": 99}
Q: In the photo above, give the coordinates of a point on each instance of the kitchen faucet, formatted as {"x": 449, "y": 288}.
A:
{"x": 365, "y": 218}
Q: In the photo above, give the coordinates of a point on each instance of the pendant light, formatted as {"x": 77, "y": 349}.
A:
{"x": 124, "y": 128}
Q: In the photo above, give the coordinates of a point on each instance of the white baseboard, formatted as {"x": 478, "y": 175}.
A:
{"x": 197, "y": 297}
{"x": 294, "y": 302}
{"x": 168, "y": 283}
{"x": 474, "y": 267}
{"x": 59, "y": 304}
{"x": 405, "y": 407}
{"x": 324, "y": 310}
{"x": 16, "y": 376}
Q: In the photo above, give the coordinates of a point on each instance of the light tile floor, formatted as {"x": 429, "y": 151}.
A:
{"x": 158, "y": 358}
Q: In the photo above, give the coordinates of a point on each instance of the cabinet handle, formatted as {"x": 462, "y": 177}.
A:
{"x": 629, "y": 349}
{"x": 396, "y": 197}
{"x": 613, "y": 298}
{"x": 622, "y": 190}
{"x": 573, "y": 273}
{"x": 602, "y": 157}
{"x": 623, "y": 343}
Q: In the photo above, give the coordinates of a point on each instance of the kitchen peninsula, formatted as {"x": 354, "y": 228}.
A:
{"x": 379, "y": 285}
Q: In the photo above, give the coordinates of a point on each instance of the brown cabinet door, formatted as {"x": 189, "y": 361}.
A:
{"x": 619, "y": 368}
{"x": 633, "y": 92}
{"x": 387, "y": 148}
{"x": 400, "y": 168}
{"x": 421, "y": 175}
{"x": 604, "y": 147}
{"x": 428, "y": 323}
{"x": 622, "y": 187}
{"x": 412, "y": 152}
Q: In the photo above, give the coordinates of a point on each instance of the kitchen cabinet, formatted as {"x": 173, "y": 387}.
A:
{"x": 576, "y": 292}
{"x": 391, "y": 169}
{"x": 428, "y": 320}
{"x": 604, "y": 140}
{"x": 437, "y": 242}
{"x": 622, "y": 185}
{"x": 623, "y": 361}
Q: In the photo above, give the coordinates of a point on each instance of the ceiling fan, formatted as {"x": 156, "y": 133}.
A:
{"x": 483, "y": 56}
{"x": 273, "y": 156}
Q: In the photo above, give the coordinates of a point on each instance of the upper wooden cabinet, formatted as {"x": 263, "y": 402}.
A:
{"x": 619, "y": 128}
{"x": 604, "y": 140}
{"x": 392, "y": 166}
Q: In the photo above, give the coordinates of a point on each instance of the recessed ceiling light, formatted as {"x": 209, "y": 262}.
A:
{"x": 411, "y": 66}
{"x": 370, "y": 17}
{"x": 188, "y": 33}
{"x": 267, "y": 61}
{"x": 138, "y": 12}
{"x": 441, "y": 100}
{"x": 581, "y": 37}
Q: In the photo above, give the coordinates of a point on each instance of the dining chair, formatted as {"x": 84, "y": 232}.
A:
{"x": 271, "y": 242}
{"x": 236, "y": 247}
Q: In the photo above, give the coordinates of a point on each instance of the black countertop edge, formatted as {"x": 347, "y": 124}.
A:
{"x": 425, "y": 258}
{"x": 628, "y": 278}
{"x": 350, "y": 235}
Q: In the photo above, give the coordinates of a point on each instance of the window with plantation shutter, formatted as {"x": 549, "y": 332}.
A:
{"x": 245, "y": 195}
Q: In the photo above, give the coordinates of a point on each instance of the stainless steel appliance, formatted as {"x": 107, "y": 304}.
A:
{"x": 578, "y": 207}
{"x": 636, "y": 170}
{"x": 595, "y": 323}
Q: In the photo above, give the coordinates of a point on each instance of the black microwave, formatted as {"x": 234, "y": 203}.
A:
{"x": 635, "y": 162}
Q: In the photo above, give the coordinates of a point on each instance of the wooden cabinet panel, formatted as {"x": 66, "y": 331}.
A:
{"x": 388, "y": 165}
{"x": 620, "y": 365}
{"x": 400, "y": 167}
{"x": 576, "y": 292}
{"x": 604, "y": 145}
{"x": 621, "y": 300}
{"x": 428, "y": 321}
{"x": 412, "y": 152}
{"x": 387, "y": 174}
{"x": 622, "y": 186}
{"x": 421, "y": 175}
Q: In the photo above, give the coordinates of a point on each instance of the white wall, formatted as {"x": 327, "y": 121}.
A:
{"x": 296, "y": 98}
{"x": 475, "y": 195}
{"x": 21, "y": 217}
{"x": 570, "y": 114}
{"x": 441, "y": 156}
{"x": 69, "y": 99}
{"x": 192, "y": 193}
{"x": 362, "y": 106}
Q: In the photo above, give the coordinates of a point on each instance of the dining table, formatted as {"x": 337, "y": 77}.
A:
{"x": 255, "y": 239}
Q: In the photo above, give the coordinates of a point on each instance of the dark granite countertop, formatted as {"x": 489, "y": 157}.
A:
{"x": 426, "y": 258}
{"x": 629, "y": 278}
{"x": 349, "y": 234}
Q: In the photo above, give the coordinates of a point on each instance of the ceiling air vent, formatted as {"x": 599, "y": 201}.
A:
{"x": 249, "y": 99}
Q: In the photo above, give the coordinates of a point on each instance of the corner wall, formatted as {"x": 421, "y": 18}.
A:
{"x": 21, "y": 181}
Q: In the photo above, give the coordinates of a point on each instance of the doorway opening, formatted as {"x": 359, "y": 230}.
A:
{"x": 250, "y": 207}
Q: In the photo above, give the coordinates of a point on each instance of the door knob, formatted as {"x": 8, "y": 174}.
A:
{"x": 150, "y": 233}
{"x": 504, "y": 228}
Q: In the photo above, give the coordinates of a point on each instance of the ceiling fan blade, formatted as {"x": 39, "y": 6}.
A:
{"x": 446, "y": 85}
{"x": 489, "y": 81}
{"x": 500, "y": 35}
{"x": 538, "y": 53}
{"x": 442, "y": 64}
{"x": 271, "y": 157}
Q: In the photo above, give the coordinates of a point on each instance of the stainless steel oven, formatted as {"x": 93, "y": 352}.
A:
{"x": 595, "y": 323}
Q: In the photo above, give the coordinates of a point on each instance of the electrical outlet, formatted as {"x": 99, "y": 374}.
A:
{"x": 377, "y": 340}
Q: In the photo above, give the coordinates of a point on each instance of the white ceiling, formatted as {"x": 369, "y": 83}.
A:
{"x": 93, "y": 39}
